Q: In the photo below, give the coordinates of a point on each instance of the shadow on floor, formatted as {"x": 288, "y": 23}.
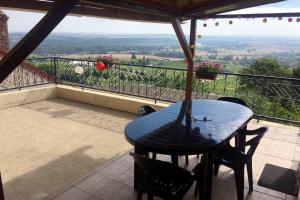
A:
{"x": 52, "y": 177}
{"x": 84, "y": 113}
{"x": 71, "y": 106}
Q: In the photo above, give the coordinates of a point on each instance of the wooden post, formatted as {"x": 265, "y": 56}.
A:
{"x": 1, "y": 189}
{"x": 189, "y": 81}
{"x": 189, "y": 51}
{"x": 37, "y": 34}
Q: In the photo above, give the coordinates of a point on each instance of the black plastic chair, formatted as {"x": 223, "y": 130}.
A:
{"x": 145, "y": 110}
{"x": 1, "y": 189}
{"x": 236, "y": 159}
{"x": 163, "y": 179}
{"x": 234, "y": 100}
{"x": 238, "y": 101}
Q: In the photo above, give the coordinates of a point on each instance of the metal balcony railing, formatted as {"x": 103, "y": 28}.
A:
{"x": 275, "y": 98}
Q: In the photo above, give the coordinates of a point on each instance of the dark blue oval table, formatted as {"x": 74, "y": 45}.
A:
{"x": 185, "y": 128}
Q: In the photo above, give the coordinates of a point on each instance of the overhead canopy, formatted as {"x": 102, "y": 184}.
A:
{"x": 141, "y": 10}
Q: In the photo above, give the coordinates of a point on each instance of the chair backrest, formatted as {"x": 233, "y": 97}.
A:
{"x": 253, "y": 142}
{"x": 234, "y": 100}
{"x": 163, "y": 179}
{"x": 1, "y": 189}
{"x": 145, "y": 110}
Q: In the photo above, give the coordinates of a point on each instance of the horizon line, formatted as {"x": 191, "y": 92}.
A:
{"x": 166, "y": 34}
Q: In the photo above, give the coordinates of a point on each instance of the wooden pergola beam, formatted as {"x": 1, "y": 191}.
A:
{"x": 37, "y": 34}
{"x": 182, "y": 40}
{"x": 86, "y": 10}
{"x": 258, "y": 15}
{"x": 1, "y": 189}
{"x": 225, "y": 6}
{"x": 189, "y": 52}
{"x": 128, "y": 6}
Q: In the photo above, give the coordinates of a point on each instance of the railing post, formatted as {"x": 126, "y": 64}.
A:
{"x": 55, "y": 70}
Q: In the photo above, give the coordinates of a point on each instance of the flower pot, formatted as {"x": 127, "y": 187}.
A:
{"x": 207, "y": 70}
{"x": 206, "y": 76}
{"x": 108, "y": 65}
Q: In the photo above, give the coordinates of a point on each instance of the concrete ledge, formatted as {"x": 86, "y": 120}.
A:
{"x": 105, "y": 99}
{"x": 99, "y": 98}
{"x": 25, "y": 96}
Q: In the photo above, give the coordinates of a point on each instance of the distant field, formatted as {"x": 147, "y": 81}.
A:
{"x": 120, "y": 56}
{"x": 177, "y": 63}
{"x": 233, "y": 68}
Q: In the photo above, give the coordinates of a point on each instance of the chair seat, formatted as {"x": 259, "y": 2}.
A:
{"x": 164, "y": 179}
{"x": 231, "y": 156}
{"x": 167, "y": 189}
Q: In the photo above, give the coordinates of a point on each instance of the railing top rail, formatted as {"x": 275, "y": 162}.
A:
{"x": 169, "y": 68}
{"x": 39, "y": 58}
{"x": 131, "y": 65}
{"x": 261, "y": 76}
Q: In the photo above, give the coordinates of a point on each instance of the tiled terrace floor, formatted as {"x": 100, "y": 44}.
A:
{"x": 114, "y": 180}
{"x": 48, "y": 145}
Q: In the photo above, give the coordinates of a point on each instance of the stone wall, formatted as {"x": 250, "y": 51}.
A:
{"x": 4, "y": 44}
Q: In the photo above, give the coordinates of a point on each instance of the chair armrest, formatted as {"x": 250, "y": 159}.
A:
{"x": 258, "y": 131}
{"x": 197, "y": 171}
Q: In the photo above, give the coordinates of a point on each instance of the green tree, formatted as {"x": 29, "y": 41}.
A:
{"x": 273, "y": 89}
{"x": 296, "y": 72}
{"x": 268, "y": 67}
{"x": 228, "y": 57}
{"x": 133, "y": 56}
{"x": 212, "y": 56}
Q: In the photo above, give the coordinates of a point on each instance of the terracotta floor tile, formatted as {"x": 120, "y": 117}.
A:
{"x": 282, "y": 149}
{"x": 264, "y": 145}
{"x": 75, "y": 194}
{"x": 99, "y": 152}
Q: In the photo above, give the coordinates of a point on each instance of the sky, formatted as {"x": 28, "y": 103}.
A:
{"x": 24, "y": 21}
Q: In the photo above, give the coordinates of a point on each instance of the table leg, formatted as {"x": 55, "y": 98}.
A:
{"x": 137, "y": 172}
{"x": 237, "y": 139}
{"x": 174, "y": 159}
{"x": 206, "y": 191}
{"x": 242, "y": 141}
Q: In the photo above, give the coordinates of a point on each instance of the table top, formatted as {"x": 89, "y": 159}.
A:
{"x": 172, "y": 131}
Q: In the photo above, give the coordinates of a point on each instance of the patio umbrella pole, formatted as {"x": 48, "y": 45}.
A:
{"x": 189, "y": 51}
